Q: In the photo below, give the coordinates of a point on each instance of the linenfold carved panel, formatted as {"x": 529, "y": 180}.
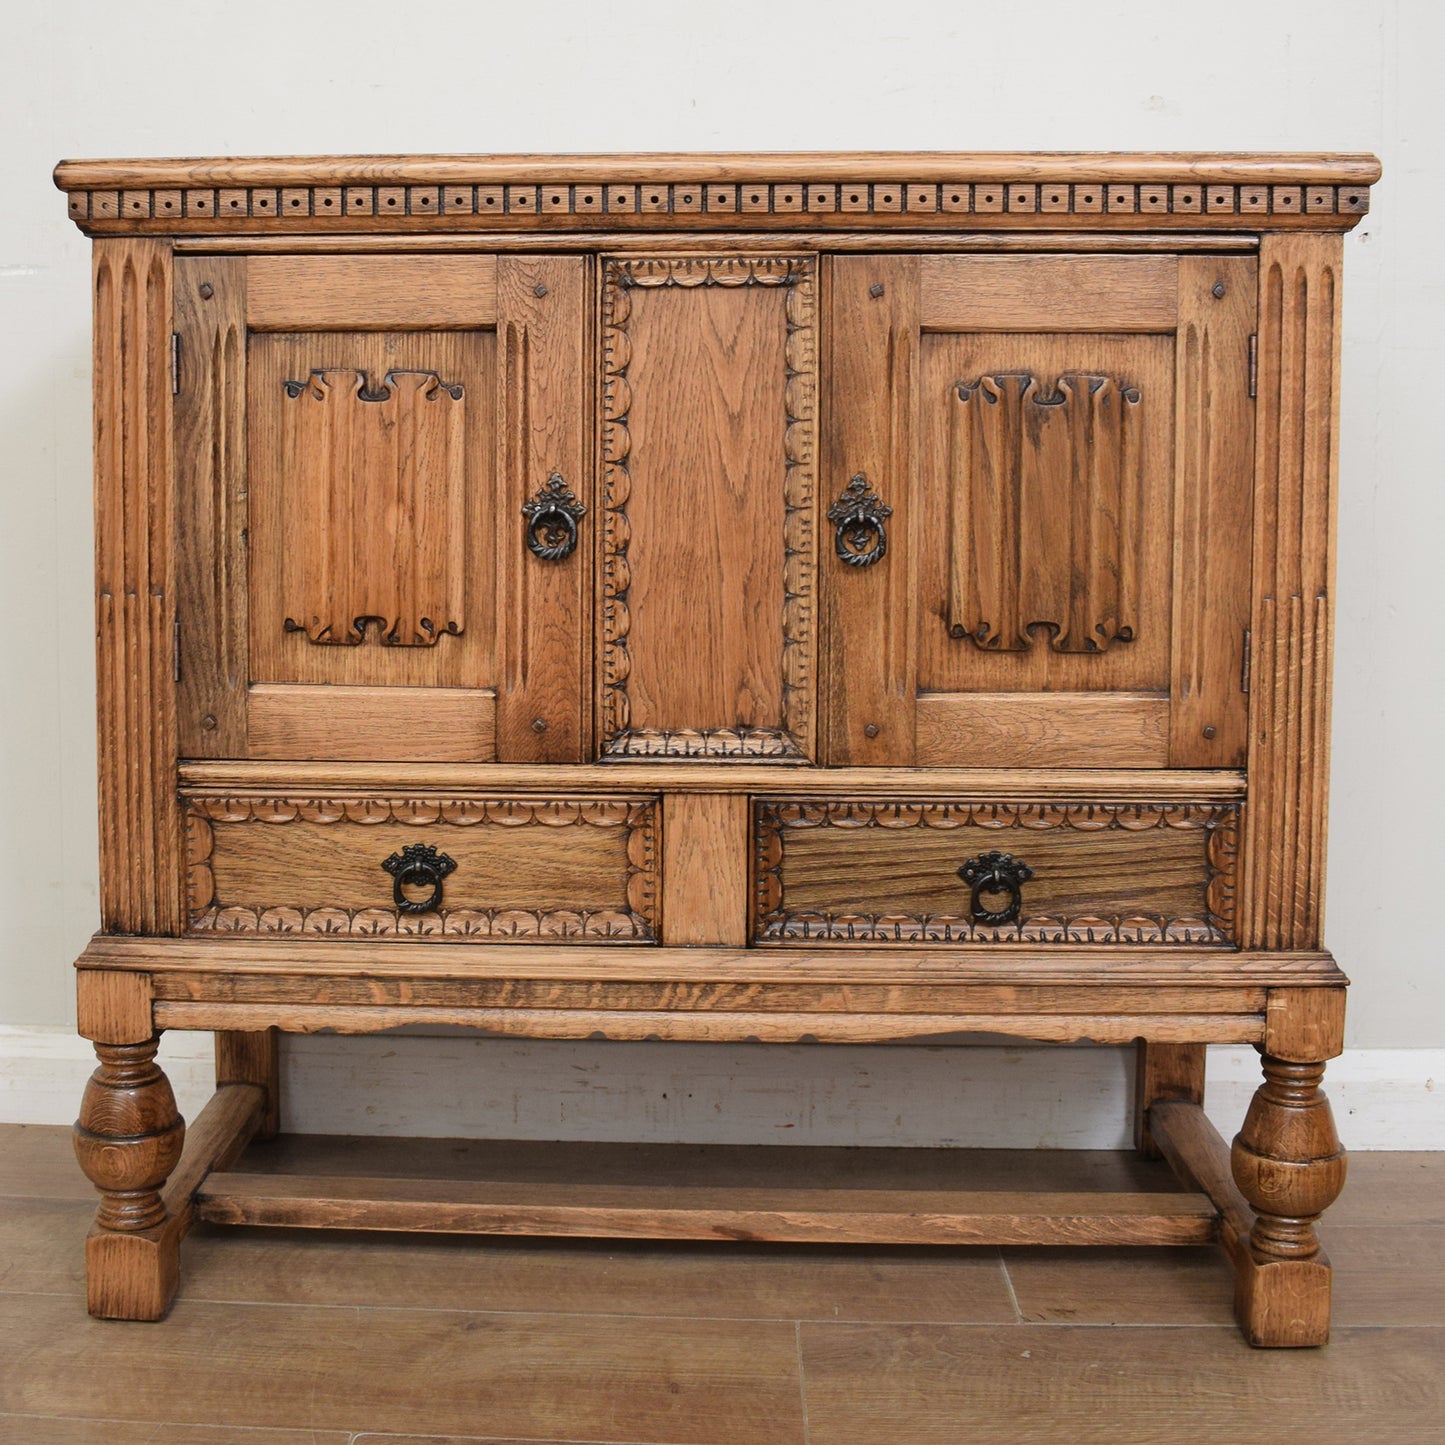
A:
{"x": 374, "y": 481}
{"x": 1047, "y": 528}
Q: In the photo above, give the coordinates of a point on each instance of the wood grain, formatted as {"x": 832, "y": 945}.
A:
{"x": 1050, "y": 1383}
{"x": 306, "y": 602}
{"x": 535, "y": 1375}
{"x": 705, "y": 869}
{"x": 211, "y": 500}
{"x": 1163, "y": 1072}
{"x": 135, "y": 578}
{"x": 1042, "y": 293}
{"x": 253, "y": 1058}
{"x": 413, "y": 724}
{"x": 714, "y": 362}
{"x": 1160, "y": 969}
{"x": 543, "y": 608}
{"x": 1214, "y": 461}
{"x": 1296, "y": 476}
{"x": 1035, "y": 531}
{"x": 370, "y": 293}
{"x": 869, "y": 379}
{"x": 880, "y": 872}
{"x": 684, "y": 1026}
{"x": 127, "y": 1140}
{"x": 112, "y": 1008}
{"x": 384, "y": 988}
{"x": 1076, "y": 784}
{"x": 837, "y": 1216}
{"x": 553, "y": 868}
{"x": 1116, "y": 243}
{"x": 1308, "y": 1028}
{"x": 1052, "y": 729}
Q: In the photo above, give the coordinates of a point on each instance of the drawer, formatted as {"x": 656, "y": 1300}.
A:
{"x": 505, "y": 869}
{"x": 981, "y": 872}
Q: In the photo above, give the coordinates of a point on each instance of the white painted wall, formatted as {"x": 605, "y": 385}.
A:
{"x": 82, "y": 78}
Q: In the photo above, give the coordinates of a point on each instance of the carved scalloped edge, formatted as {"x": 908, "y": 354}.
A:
{"x": 798, "y": 275}
{"x": 200, "y": 843}
{"x": 901, "y": 202}
{"x": 799, "y": 484}
{"x": 1088, "y": 817}
{"x": 952, "y": 928}
{"x": 490, "y": 923}
{"x": 421, "y": 812}
{"x": 1221, "y": 893}
{"x": 616, "y": 492}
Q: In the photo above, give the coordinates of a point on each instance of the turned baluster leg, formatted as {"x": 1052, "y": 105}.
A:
{"x": 1288, "y": 1164}
{"x": 128, "y": 1140}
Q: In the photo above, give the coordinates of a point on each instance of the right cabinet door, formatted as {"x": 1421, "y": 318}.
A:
{"x": 1036, "y": 488}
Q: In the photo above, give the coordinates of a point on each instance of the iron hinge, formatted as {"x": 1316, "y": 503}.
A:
{"x": 1253, "y": 364}
{"x": 175, "y": 363}
{"x": 1244, "y": 665}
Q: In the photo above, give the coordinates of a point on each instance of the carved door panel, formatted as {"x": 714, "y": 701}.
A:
{"x": 707, "y": 614}
{"x": 1012, "y": 441}
{"x": 381, "y": 466}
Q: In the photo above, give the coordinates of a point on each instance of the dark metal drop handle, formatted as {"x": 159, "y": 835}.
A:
{"x": 552, "y": 520}
{"x": 995, "y": 873}
{"x": 858, "y": 515}
{"x": 420, "y": 866}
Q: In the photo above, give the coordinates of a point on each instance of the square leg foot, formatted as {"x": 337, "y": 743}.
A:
{"x": 131, "y": 1276}
{"x": 1283, "y": 1303}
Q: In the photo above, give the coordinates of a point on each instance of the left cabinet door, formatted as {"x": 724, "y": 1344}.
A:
{"x": 382, "y": 468}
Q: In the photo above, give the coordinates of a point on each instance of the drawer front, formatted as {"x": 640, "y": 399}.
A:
{"x": 540, "y": 870}
{"x": 977, "y": 872}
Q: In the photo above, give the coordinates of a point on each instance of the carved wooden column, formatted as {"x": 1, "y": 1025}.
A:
{"x": 128, "y": 1137}
{"x": 128, "y": 1140}
{"x": 1289, "y": 1165}
{"x": 1287, "y": 1159}
{"x": 140, "y": 825}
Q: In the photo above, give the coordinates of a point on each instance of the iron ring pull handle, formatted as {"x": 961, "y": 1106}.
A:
{"x": 551, "y": 527}
{"x": 995, "y": 873}
{"x": 420, "y": 866}
{"x": 860, "y": 539}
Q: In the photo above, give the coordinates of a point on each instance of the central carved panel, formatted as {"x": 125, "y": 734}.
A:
{"x": 374, "y": 481}
{"x": 1047, "y": 488}
{"x": 708, "y": 397}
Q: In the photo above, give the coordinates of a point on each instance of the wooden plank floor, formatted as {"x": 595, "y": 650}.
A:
{"x": 318, "y": 1338}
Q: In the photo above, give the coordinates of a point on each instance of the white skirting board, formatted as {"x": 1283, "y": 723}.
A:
{"x": 989, "y": 1095}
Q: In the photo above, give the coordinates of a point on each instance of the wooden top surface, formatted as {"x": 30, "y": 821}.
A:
{"x": 895, "y": 189}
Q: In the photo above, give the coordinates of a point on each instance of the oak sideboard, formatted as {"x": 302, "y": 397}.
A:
{"x": 834, "y": 597}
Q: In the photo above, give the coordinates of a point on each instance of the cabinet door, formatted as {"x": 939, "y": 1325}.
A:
{"x": 1039, "y": 470}
{"x": 707, "y": 616}
{"x": 356, "y": 440}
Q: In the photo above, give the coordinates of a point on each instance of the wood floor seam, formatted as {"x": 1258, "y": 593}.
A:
{"x": 802, "y": 1378}
{"x": 1107, "y": 1331}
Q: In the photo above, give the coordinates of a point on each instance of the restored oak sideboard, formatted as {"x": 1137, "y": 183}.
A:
{"x": 834, "y": 597}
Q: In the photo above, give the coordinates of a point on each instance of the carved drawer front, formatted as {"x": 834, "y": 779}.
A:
{"x": 979, "y": 872}
{"x": 525, "y": 870}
